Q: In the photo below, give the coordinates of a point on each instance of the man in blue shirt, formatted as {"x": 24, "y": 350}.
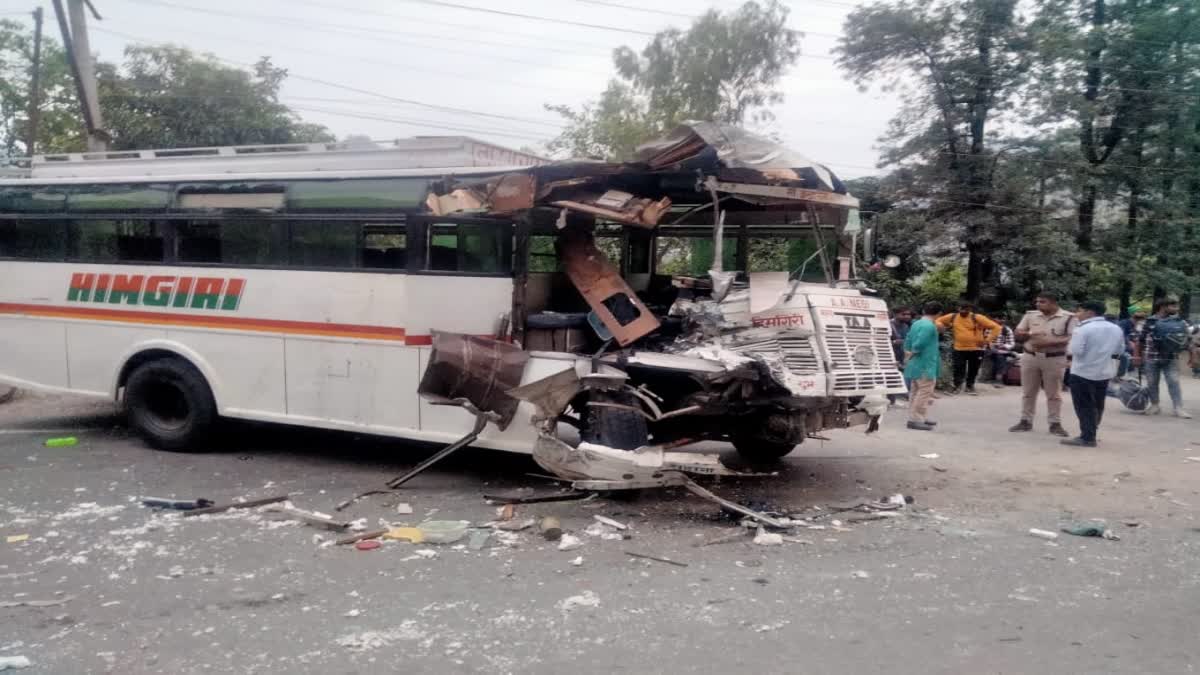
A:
{"x": 1095, "y": 348}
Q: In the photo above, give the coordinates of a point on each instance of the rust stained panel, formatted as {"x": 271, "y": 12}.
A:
{"x": 782, "y": 192}
{"x": 605, "y": 291}
{"x": 476, "y": 369}
{"x": 512, "y": 192}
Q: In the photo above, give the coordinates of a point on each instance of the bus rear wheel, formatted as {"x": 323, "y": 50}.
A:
{"x": 170, "y": 404}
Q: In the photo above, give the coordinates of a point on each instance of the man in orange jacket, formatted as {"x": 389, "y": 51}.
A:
{"x": 972, "y": 333}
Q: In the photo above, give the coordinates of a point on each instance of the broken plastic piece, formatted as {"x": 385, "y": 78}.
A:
{"x": 64, "y": 442}
{"x": 412, "y": 535}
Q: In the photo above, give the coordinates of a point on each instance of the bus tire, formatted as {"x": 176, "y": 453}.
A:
{"x": 171, "y": 405}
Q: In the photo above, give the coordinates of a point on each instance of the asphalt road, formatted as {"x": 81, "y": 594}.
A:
{"x": 955, "y": 584}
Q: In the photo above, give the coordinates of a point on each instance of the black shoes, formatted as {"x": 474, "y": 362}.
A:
{"x": 1022, "y": 426}
{"x": 1079, "y": 443}
{"x": 1058, "y": 430}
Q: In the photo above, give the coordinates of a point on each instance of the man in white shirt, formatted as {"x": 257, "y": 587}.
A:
{"x": 1096, "y": 347}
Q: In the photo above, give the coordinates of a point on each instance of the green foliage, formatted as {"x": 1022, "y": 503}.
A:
{"x": 58, "y": 125}
{"x": 724, "y": 68}
{"x": 945, "y": 283}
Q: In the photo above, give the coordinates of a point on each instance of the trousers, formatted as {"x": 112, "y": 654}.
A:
{"x": 966, "y": 367}
{"x": 1042, "y": 373}
{"x": 922, "y": 398}
{"x": 1088, "y": 397}
{"x": 1169, "y": 371}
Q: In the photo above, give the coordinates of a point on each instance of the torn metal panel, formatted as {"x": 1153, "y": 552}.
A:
{"x": 501, "y": 195}
{"x": 590, "y": 461}
{"x": 782, "y": 193}
{"x": 550, "y": 395}
{"x": 600, "y": 283}
{"x": 619, "y": 206}
{"x": 475, "y": 370}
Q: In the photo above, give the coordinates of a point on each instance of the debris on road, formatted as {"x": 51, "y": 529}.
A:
{"x": 1043, "y": 534}
{"x": 577, "y": 561}
{"x": 311, "y": 518}
{"x": 368, "y": 545}
{"x": 929, "y": 455}
{"x": 860, "y": 574}
{"x": 478, "y": 539}
{"x": 939, "y": 469}
{"x": 443, "y": 531}
{"x": 36, "y": 603}
{"x": 585, "y": 599}
{"x": 740, "y": 533}
{"x": 550, "y": 528}
{"x": 175, "y": 504}
{"x": 515, "y": 525}
{"x": 14, "y": 662}
{"x": 538, "y": 498}
{"x": 404, "y": 509}
{"x": 412, "y": 535}
{"x": 610, "y": 522}
{"x": 62, "y": 442}
{"x": 764, "y": 538}
{"x": 1092, "y": 529}
{"x": 569, "y": 542}
{"x": 361, "y": 536}
{"x": 248, "y": 504}
{"x": 15, "y": 538}
{"x": 604, "y": 531}
{"x": 506, "y": 512}
{"x": 655, "y": 558}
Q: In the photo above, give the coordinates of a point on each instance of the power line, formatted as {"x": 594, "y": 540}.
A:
{"x": 645, "y": 10}
{"x": 421, "y": 123}
{"x": 532, "y": 17}
{"x": 358, "y": 90}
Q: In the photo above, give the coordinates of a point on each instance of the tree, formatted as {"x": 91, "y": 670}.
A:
{"x": 58, "y": 126}
{"x": 169, "y": 97}
{"x": 724, "y": 68}
{"x": 966, "y": 61}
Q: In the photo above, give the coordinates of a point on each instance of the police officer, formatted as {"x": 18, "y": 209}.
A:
{"x": 1046, "y": 332}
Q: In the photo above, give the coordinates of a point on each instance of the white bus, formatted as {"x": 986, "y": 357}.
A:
{"x": 304, "y": 285}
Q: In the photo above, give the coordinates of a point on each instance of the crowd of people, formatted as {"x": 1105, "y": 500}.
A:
{"x": 1086, "y": 352}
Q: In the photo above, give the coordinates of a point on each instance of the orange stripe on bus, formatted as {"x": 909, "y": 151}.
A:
{"x": 226, "y": 322}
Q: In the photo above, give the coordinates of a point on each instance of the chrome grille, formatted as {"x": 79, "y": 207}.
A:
{"x": 851, "y": 376}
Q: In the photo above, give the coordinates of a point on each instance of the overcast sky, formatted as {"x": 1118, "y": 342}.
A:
{"x": 482, "y": 62}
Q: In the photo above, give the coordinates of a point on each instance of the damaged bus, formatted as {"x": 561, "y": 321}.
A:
{"x": 441, "y": 289}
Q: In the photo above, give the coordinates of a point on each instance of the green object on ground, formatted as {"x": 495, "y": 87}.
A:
{"x": 64, "y": 442}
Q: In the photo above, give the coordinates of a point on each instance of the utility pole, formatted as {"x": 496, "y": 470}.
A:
{"x": 79, "y": 53}
{"x": 35, "y": 84}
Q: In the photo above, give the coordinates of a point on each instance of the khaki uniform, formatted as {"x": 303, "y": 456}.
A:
{"x": 1042, "y": 368}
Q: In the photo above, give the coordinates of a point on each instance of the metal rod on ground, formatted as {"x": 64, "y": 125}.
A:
{"x": 249, "y": 504}
{"x": 480, "y": 423}
{"x": 701, "y": 492}
{"x": 656, "y": 558}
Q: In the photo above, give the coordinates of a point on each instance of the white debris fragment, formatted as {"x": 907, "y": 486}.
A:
{"x": 426, "y": 553}
{"x": 14, "y": 662}
{"x": 897, "y": 500}
{"x": 768, "y": 627}
{"x": 577, "y": 561}
{"x": 359, "y": 525}
{"x": 860, "y": 574}
{"x": 1043, "y": 534}
{"x": 585, "y": 599}
{"x": 764, "y": 538}
{"x": 930, "y": 455}
{"x": 603, "y": 531}
{"x": 569, "y": 542}
{"x": 89, "y": 511}
{"x": 353, "y": 613}
{"x": 375, "y": 639}
{"x": 610, "y": 522}
{"x": 404, "y": 508}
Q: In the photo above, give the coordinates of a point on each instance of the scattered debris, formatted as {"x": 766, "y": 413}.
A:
{"x": 695, "y": 489}
{"x": 860, "y": 574}
{"x": 646, "y": 556}
{"x": 479, "y": 539}
{"x": 538, "y": 498}
{"x": 1092, "y": 529}
{"x": 1043, "y": 534}
{"x": 176, "y": 504}
{"x": 36, "y": 603}
{"x": 368, "y": 545}
{"x": 930, "y": 455}
{"x": 550, "y": 528}
{"x": 764, "y": 538}
{"x": 506, "y": 512}
{"x": 62, "y": 442}
{"x": 610, "y": 522}
{"x": 312, "y": 518}
{"x": 353, "y": 613}
{"x": 569, "y": 542}
{"x": 939, "y": 469}
{"x": 14, "y": 662}
{"x": 604, "y": 532}
{"x": 248, "y": 504}
{"x": 577, "y": 561}
{"x": 515, "y": 525}
{"x": 444, "y": 531}
{"x": 404, "y": 509}
{"x": 15, "y": 538}
{"x": 1191, "y": 459}
{"x": 585, "y": 599}
{"x": 361, "y": 536}
{"x": 412, "y": 535}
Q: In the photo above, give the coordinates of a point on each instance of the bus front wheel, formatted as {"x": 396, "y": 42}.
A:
{"x": 170, "y": 405}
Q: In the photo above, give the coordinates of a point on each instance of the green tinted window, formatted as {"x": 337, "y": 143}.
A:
{"x": 231, "y": 242}
{"x": 118, "y": 198}
{"x": 374, "y": 193}
{"x": 470, "y": 247}
{"x": 116, "y": 240}
{"x": 324, "y": 244}
{"x": 31, "y": 200}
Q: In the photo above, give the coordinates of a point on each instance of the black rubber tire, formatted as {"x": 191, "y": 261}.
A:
{"x": 171, "y": 405}
{"x": 762, "y": 452}
{"x": 614, "y": 427}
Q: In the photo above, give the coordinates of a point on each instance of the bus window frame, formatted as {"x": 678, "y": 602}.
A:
{"x": 418, "y": 245}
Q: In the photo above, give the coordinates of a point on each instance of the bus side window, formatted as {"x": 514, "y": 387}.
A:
{"x": 33, "y": 239}
{"x": 239, "y": 241}
{"x": 384, "y": 247}
{"x": 323, "y": 243}
{"x": 116, "y": 240}
{"x": 478, "y": 248}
